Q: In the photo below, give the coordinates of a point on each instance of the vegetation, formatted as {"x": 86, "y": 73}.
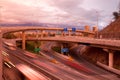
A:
{"x": 30, "y": 45}
{"x": 116, "y": 15}
{"x": 9, "y": 36}
{"x": 57, "y": 49}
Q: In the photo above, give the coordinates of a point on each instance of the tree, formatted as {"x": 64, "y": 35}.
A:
{"x": 116, "y": 15}
{"x": 9, "y": 36}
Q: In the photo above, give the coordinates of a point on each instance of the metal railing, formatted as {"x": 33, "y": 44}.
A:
{"x": 107, "y": 35}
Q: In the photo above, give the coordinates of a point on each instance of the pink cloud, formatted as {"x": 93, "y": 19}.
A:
{"x": 18, "y": 12}
{"x": 50, "y": 11}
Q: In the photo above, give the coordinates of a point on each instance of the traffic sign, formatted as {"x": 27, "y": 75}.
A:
{"x": 37, "y": 50}
{"x": 73, "y": 29}
{"x": 65, "y": 50}
{"x": 65, "y": 29}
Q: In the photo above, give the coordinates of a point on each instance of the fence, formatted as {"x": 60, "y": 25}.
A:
{"x": 107, "y": 35}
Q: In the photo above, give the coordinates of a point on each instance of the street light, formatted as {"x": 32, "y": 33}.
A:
{"x": 97, "y": 22}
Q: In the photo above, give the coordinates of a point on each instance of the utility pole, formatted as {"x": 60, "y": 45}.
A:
{"x": 1, "y": 67}
{"x": 97, "y": 22}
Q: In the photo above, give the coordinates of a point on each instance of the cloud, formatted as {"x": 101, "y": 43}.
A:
{"x": 25, "y": 11}
{"x": 75, "y": 12}
{"x": 49, "y": 11}
{"x": 66, "y": 4}
{"x": 62, "y": 11}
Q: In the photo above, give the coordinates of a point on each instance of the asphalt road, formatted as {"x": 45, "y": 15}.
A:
{"x": 58, "y": 70}
{"x": 81, "y": 65}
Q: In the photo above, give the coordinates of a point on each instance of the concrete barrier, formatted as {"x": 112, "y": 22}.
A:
{"x": 109, "y": 68}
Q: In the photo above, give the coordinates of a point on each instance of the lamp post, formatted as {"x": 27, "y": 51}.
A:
{"x": 97, "y": 22}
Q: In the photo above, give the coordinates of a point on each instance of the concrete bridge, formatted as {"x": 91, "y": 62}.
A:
{"x": 108, "y": 45}
{"x": 19, "y": 29}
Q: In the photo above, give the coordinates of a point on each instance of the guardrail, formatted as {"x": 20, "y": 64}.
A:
{"x": 113, "y": 70}
{"x": 111, "y": 35}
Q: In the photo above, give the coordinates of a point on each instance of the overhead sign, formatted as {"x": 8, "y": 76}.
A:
{"x": 65, "y": 50}
{"x": 73, "y": 29}
{"x": 65, "y": 29}
{"x": 37, "y": 50}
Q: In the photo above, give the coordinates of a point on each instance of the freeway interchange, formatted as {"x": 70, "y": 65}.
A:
{"x": 50, "y": 65}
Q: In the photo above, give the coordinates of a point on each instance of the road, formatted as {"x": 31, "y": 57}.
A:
{"x": 81, "y": 65}
{"x": 41, "y": 64}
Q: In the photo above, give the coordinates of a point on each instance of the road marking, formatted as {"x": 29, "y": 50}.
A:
{"x": 4, "y": 53}
{"x": 7, "y": 64}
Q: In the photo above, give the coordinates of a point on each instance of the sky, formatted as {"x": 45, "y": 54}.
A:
{"x": 73, "y": 12}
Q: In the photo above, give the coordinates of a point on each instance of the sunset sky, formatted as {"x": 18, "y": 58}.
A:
{"x": 77, "y": 12}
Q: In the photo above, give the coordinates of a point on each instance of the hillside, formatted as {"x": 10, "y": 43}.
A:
{"x": 112, "y": 30}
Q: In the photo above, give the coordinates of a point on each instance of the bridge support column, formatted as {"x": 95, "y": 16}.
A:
{"x": 69, "y": 34}
{"x": 37, "y": 34}
{"x": 62, "y": 33}
{"x": 111, "y": 59}
{"x": 23, "y": 40}
{"x": 41, "y": 33}
{"x": 62, "y": 48}
{"x": 55, "y": 34}
{"x": 87, "y": 28}
{"x": 95, "y": 30}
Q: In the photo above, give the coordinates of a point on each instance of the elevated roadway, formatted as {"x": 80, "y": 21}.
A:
{"x": 101, "y": 43}
{"x": 80, "y": 64}
{"x": 108, "y": 45}
{"x": 19, "y": 29}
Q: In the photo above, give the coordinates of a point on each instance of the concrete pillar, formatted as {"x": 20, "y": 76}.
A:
{"x": 100, "y": 36}
{"x": 23, "y": 40}
{"x": 69, "y": 34}
{"x": 62, "y": 48}
{"x": 37, "y": 34}
{"x": 41, "y": 43}
{"x": 55, "y": 34}
{"x": 111, "y": 59}
{"x": 62, "y": 33}
{"x": 87, "y": 28}
{"x": 42, "y": 33}
{"x": 95, "y": 29}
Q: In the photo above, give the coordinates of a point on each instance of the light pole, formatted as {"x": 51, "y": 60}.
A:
{"x": 1, "y": 67}
{"x": 97, "y": 22}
